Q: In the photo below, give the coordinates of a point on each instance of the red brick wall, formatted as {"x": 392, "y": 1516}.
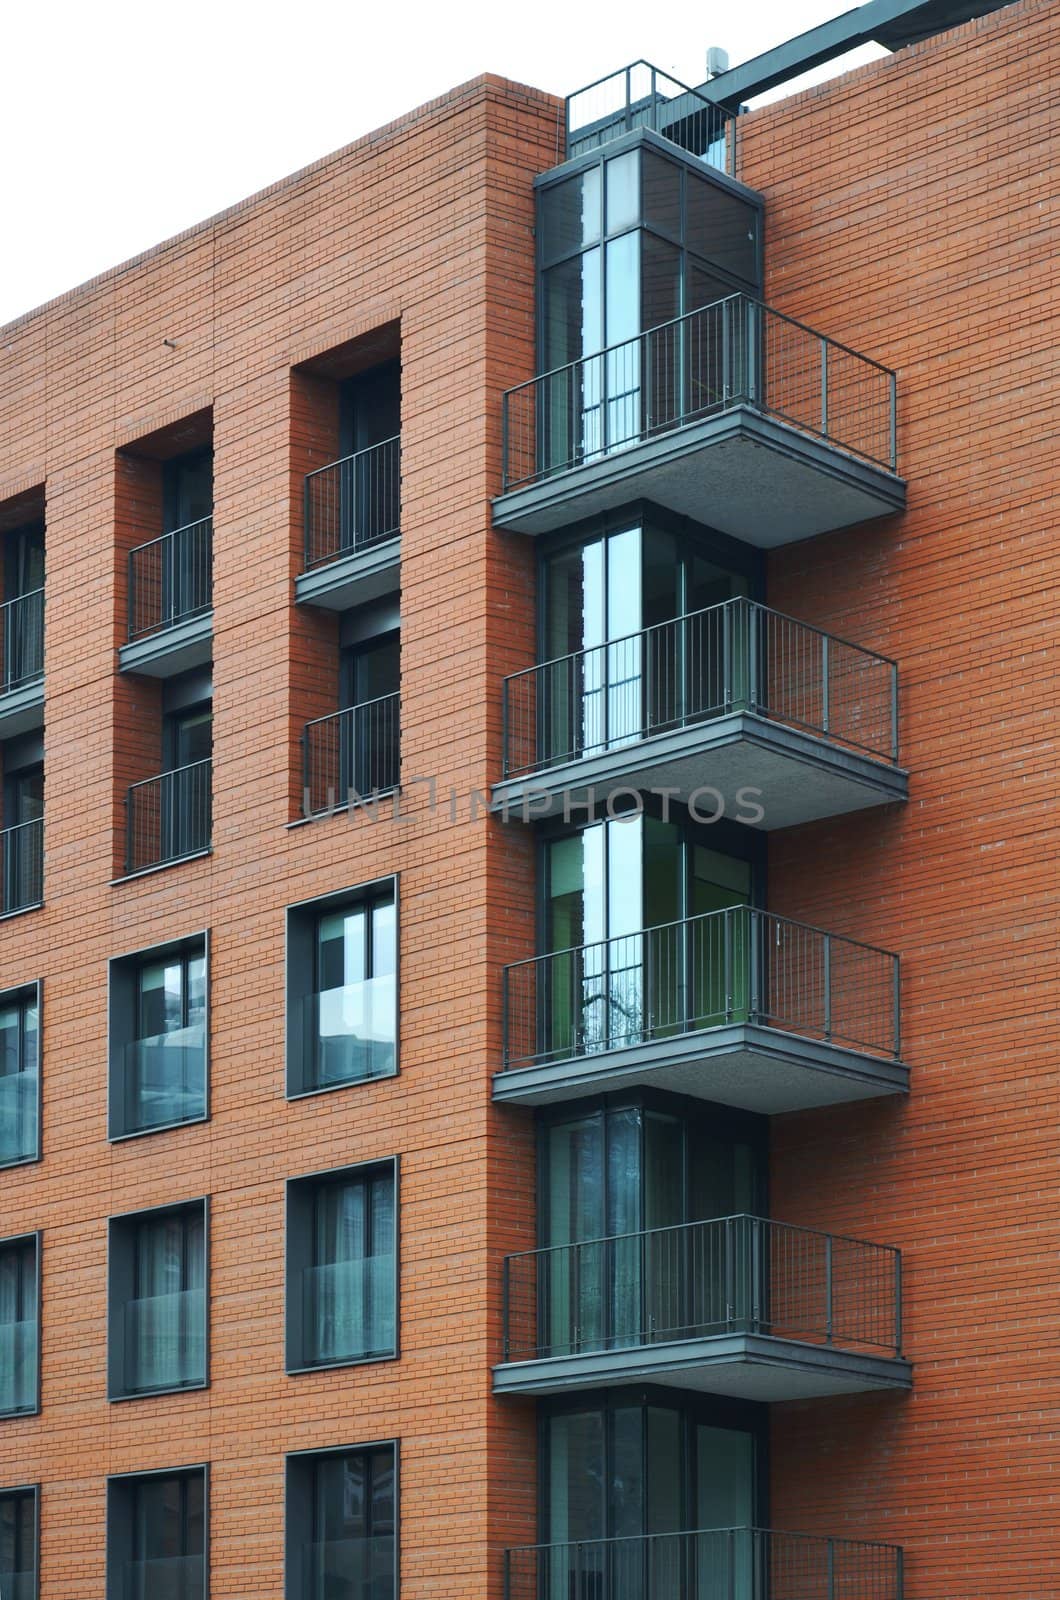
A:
{"x": 429, "y": 222}
{"x": 911, "y": 213}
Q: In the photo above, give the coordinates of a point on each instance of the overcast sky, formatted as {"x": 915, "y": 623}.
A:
{"x": 123, "y": 122}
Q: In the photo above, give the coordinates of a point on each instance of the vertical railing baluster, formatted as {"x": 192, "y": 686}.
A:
{"x": 824, "y": 387}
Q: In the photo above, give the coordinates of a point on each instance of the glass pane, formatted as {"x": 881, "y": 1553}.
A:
{"x": 575, "y": 1478}
{"x": 10, "y": 1040}
{"x": 665, "y": 1498}
{"x": 721, "y": 228}
{"x": 575, "y": 1175}
{"x": 192, "y": 738}
{"x": 569, "y": 215}
{"x": 724, "y": 1479}
{"x": 623, "y": 192}
{"x": 376, "y": 669}
{"x": 573, "y": 310}
{"x": 662, "y": 193}
{"x": 661, "y": 302}
{"x": 161, "y": 998}
{"x": 627, "y": 1473}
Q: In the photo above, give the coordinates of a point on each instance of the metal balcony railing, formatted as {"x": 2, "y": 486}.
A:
{"x": 737, "y": 656}
{"x": 22, "y": 865}
{"x": 21, "y": 640}
{"x": 168, "y": 817}
{"x": 734, "y": 352}
{"x": 736, "y": 965}
{"x": 708, "y": 1564}
{"x": 171, "y": 578}
{"x": 640, "y": 96}
{"x": 738, "y": 1274}
{"x": 353, "y": 503}
{"x": 351, "y": 755}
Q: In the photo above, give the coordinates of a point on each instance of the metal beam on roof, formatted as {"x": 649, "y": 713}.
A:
{"x": 891, "y": 23}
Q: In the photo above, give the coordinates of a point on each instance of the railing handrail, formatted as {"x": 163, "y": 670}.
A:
{"x": 360, "y": 705}
{"x": 394, "y": 439}
{"x": 170, "y": 772}
{"x": 707, "y": 1222}
{"x": 694, "y": 1533}
{"x": 32, "y": 822}
{"x": 693, "y": 616}
{"x": 171, "y": 533}
{"x": 20, "y": 599}
{"x": 703, "y": 916}
{"x": 663, "y": 327}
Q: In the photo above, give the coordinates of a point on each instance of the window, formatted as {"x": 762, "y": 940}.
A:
{"x": 22, "y": 624}
{"x": 157, "y": 1316}
{"x": 158, "y": 1038}
{"x": 342, "y": 989}
{"x": 22, "y": 856}
{"x": 19, "y": 1325}
{"x": 342, "y": 1268}
{"x": 18, "y": 1543}
{"x": 19, "y": 1075}
{"x": 342, "y": 1524}
{"x": 156, "y": 1536}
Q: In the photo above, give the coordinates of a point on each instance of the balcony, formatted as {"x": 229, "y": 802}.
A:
{"x": 737, "y": 1306}
{"x": 164, "y": 1578}
{"x": 739, "y": 1006}
{"x": 733, "y": 698}
{"x": 640, "y": 96}
{"x": 18, "y": 1367}
{"x": 170, "y": 601}
{"x": 735, "y": 415}
{"x": 708, "y": 1564}
{"x": 168, "y": 818}
{"x": 22, "y": 867}
{"x": 165, "y": 1342}
{"x": 19, "y": 1116}
{"x": 22, "y": 664}
{"x": 351, "y": 756}
{"x": 165, "y": 1079}
{"x": 352, "y": 528}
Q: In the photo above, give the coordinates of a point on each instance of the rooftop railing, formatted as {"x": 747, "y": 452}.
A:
{"x": 734, "y": 352}
{"x": 171, "y": 578}
{"x": 730, "y": 1275}
{"x": 168, "y": 817}
{"x": 351, "y": 755}
{"x": 710, "y": 971}
{"x": 736, "y": 656}
{"x": 708, "y": 1564}
{"x": 21, "y": 640}
{"x": 353, "y": 503}
{"x": 640, "y": 96}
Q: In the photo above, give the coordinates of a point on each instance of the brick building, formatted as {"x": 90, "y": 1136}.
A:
{"x": 591, "y": 1133}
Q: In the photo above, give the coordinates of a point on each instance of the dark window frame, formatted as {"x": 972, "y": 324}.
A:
{"x": 299, "y": 1463}
{"x": 300, "y": 1195}
{"x": 122, "y": 999}
{"x": 23, "y": 995}
{"x": 121, "y": 1236}
{"x": 118, "y": 1519}
{"x": 302, "y": 919}
{"x": 21, "y": 1491}
{"x": 19, "y": 1241}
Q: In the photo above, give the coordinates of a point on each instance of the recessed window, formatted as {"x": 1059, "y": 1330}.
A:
{"x": 342, "y": 990}
{"x": 157, "y": 1326}
{"x": 19, "y": 1325}
{"x": 156, "y": 1536}
{"x": 18, "y": 1543}
{"x": 342, "y": 1524}
{"x": 342, "y": 1268}
{"x": 19, "y": 1075}
{"x": 158, "y": 1038}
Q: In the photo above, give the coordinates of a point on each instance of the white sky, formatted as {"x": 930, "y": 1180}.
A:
{"x": 125, "y": 121}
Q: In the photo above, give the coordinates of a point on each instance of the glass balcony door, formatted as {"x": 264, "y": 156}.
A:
{"x": 166, "y": 1537}
{"x": 349, "y": 1312}
{"x": 351, "y": 1552}
{"x": 352, "y": 1011}
{"x": 23, "y": 634}
{"x": 165, "y": 1081}
{"x": 165, "y": 1339}
{"x": 626, "y": 1490}
{"x": 626, "y": 965}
